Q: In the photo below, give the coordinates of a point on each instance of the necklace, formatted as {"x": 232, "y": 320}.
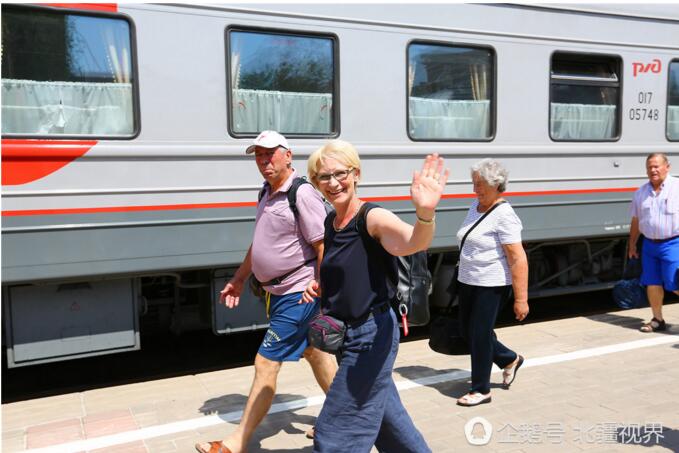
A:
{"x": 334, "y": 222}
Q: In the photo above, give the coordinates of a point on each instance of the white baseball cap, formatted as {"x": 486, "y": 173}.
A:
{"x": 268, "y": 139}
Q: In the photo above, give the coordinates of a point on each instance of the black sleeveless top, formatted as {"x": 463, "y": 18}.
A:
{"x": 355, "y": 272}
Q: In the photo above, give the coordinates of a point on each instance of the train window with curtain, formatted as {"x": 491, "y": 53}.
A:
{"x": 450, "y": 92}
{"x": 584, "y": 97}
{"x": 282, "y": 81}
{"x": 66, "y": 74}
{"x": 673, "y": 102}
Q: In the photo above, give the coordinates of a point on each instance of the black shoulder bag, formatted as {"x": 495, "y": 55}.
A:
{"x": 444, "y": 332}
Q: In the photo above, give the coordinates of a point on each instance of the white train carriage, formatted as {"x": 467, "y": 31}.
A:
{"x": 127, "y": 199}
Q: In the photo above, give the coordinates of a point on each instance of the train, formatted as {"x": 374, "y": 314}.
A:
{"x": 128, "y": 199}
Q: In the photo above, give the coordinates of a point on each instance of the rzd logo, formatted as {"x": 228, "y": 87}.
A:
{"x": 655, "y": 66}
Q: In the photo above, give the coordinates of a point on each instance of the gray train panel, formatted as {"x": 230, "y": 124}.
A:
{"x": 249, "y": 315}
{"x": 70, "y": 320}
{"x": 81, "y": 248}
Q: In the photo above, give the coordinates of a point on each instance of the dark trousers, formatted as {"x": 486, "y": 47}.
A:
{"x": 362, "y": 407}
{"x": 479, "y": 306}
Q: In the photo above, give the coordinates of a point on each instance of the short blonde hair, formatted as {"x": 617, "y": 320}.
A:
{"x": 341, "y": 151}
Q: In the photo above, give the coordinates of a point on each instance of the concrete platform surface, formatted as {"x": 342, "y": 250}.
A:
{"x": 588, "y": 384}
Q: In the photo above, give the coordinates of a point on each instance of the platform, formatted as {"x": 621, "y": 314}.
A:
{"x": 589, "y": 383}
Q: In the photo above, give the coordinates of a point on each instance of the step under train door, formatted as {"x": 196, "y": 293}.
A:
{"x": 62, "y": 321}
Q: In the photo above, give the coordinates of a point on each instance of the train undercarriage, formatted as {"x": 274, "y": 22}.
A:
{"x": 106, "y": 316}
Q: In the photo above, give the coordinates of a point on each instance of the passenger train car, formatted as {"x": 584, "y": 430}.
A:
{"x": 128, "y": 199}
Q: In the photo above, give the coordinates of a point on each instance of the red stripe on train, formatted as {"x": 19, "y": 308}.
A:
{"x": 514, "y": 194}
{"x": 253, "y": 204}
{"x": 164, "y": 207}
{"x": 107, "y": 7}
{"x": 24, "y": 161}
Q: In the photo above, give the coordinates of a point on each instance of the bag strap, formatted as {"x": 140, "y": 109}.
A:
{"x": 485, "y": 214}
{"x": 279, "y": 280}
{"x": 370, "y": 243}
{"x": 291, "y": 194}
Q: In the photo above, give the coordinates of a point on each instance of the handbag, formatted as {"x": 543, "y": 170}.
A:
{"x": 256, "y": 286}
{"x": 444, "y": 332}
{"x": 412, "y": 290}
{"x": 445, "y": 336}
{"x": 326, "y": 333}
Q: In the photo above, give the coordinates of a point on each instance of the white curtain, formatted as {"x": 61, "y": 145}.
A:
{"x": 673, "y": 122}
{"x": 304, "y": 113}
{"x": 582, "y": 121}
{"x": 67, "y": 108}
{"x": 444, "y": 119}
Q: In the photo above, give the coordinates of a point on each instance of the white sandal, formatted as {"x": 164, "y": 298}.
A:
{"x": 509, "y": 373}
{"x": 474, "y": 399}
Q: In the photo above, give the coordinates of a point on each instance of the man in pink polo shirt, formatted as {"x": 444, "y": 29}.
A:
{"x": 284, "y": 256}
{"x": 655, "y": 214}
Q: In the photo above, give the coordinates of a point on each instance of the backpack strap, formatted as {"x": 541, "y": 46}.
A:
{"x": 362, "y": 220}
{"x": 371, "y": 244}
{"x": 262, "y": 191}
{"x": 292, "y": 193}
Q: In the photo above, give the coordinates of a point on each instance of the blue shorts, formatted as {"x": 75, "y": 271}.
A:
{"x": 659, "y": 263}
{"x": 286, "y": 338}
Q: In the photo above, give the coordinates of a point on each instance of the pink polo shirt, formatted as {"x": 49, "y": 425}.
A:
{"x": 281, "y": 244}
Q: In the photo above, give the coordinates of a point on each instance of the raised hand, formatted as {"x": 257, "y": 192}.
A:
{"x": 428, "y": 185}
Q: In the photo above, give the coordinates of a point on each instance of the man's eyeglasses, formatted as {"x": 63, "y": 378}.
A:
{"x": 339, "y": 175}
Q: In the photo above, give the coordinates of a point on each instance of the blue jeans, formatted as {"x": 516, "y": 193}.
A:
{"x": 362, "y": 407}
{"x": 478, "y": 310}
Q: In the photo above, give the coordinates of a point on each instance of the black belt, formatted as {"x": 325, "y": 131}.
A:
{"x": 660, "y": 241}
{"x": 279, "y": 280}
{"x": 373, "y": 311}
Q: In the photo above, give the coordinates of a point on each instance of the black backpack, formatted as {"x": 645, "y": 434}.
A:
{"x": 412, "y": 281}
{"x": 292, "y": 195}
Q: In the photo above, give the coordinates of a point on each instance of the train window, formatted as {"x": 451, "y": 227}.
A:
{"x": 584, "y": 98}
{"x": 282, "y": 81}
{"x": 673, "y": 102}
{"x": 450, "y": 91}
{"x": 66, "y": 74}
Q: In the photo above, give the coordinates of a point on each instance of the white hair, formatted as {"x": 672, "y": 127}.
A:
{"x": 492, "y": 172}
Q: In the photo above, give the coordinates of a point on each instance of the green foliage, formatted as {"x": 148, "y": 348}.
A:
{"x": 302, "y": 76}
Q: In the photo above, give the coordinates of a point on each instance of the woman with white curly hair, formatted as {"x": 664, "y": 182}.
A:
{"x": 492, "y": 263}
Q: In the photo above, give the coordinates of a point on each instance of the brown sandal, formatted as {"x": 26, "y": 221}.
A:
{"x": 655, "y": 325}
{"x": 216, "y": 446}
